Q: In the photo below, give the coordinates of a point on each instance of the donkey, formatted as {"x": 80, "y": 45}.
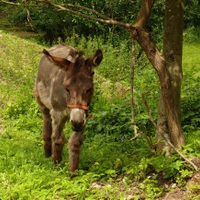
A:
{"x": 63, "y": 91}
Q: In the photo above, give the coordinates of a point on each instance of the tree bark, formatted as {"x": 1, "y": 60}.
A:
{"x": 158, "y": 61}
{"x": 172, "y": 51}
{"x": 144, "y": 13}
{"x": 172, "y": 46}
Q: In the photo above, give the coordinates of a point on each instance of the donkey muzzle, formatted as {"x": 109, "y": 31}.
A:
{"x": 77, "y": 119}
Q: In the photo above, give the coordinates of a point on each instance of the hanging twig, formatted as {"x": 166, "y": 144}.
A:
{"x": 132, "y": 87}
{"x": 147, "y": 107}
{"x": 29, "y": 19}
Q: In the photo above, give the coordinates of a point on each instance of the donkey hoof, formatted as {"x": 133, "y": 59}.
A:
{"x": 47, "y": 153}
{"x": 72, "y": 174}
{"x": 56, "y": 160}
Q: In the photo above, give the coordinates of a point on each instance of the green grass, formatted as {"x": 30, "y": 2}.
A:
{"x": 190, "y": 88}
{"x": 110, "y": 168}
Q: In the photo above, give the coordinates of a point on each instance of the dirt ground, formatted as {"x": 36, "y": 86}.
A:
{"x": 192, "y": 190}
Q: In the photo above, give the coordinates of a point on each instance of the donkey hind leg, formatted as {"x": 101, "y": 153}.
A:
{"x": 47, "y": 126}
{"x": 58, "y": 139}
{"x": 47, "y": 131}
{"x": 74, "y": 147}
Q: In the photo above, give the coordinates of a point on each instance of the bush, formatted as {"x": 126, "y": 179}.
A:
{"x": 192, "y": 35}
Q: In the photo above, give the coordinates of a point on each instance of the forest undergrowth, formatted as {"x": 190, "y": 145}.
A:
{"x": 112, "y": 166}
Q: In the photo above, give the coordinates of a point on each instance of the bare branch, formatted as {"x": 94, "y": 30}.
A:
{"x": 103, "y": 19}
{"x": 10, "y": 3}
{"x": 25, "y": 4}
{"x": 100, "y": 18}
{"x": 88, "y": 9}
{"x": 144, "y": 13}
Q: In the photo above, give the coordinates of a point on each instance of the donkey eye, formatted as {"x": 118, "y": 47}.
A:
{"x": 67, "y": 90}
{"x": 89, "y": 91}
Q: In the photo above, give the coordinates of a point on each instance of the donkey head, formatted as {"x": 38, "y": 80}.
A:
{"x": 78, "y": 84}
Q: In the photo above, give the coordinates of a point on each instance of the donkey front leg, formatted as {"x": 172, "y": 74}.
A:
{"x": 58, "y": 139}
{"x": 74, "y": 147}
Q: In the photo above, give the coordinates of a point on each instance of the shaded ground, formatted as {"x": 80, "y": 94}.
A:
{"x": 134, "y": 191}
{"x": 192, "y": 190}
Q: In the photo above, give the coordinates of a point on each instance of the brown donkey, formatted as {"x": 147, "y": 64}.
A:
{"x": 63, "y": 90}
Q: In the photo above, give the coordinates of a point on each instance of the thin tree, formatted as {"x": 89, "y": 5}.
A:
{"x": 169, "y": 120}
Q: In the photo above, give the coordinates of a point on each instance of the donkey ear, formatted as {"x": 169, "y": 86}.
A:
{"x": 97, "y": 58}
{"x": 61, "y": 62}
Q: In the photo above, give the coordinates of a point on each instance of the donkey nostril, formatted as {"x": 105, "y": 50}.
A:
{"x": 76, "y": 125}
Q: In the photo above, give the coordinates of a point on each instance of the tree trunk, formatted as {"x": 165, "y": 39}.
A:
{"x": 172, "y": 51}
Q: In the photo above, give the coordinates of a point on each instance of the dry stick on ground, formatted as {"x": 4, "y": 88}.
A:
{"x": 132, "y": 90}
{"x": 165, "y": 138}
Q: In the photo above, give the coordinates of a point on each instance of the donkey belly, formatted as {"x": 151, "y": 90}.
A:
{"x": 43, "y": 95}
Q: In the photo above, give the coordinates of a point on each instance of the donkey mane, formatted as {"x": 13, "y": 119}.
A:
{"x": 79, "y": 60}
